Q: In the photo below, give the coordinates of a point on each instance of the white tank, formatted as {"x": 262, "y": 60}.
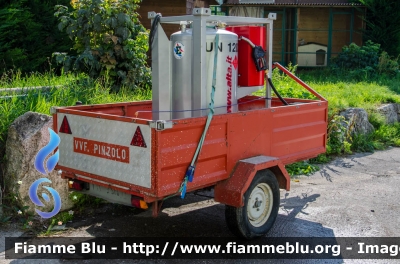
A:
{"x": 225, "y": 100}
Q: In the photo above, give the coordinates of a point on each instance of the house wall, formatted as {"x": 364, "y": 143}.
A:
{"x": 169, "y": 8}
{"x": 313, "y": 25}
{"x": 166, "y": 8}
{"x": 359, "y": 26}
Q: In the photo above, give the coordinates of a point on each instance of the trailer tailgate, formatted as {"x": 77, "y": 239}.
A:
{"x": 106, "y": 148}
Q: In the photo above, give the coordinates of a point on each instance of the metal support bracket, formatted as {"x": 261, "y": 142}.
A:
{"x": 201, "y": 11}
{"x": 161, "y": 125}
{"x": 53, "y": 110}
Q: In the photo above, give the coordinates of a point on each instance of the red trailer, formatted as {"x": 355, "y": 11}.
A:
{"x": 124, "y": 152}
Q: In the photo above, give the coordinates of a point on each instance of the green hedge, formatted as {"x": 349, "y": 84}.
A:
{"x": 29, "y": 35}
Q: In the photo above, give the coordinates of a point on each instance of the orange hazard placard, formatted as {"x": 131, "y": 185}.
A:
{"x": 101, "y": 149}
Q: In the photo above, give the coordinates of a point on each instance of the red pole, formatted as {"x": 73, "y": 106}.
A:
{"x": 291, "y": 75}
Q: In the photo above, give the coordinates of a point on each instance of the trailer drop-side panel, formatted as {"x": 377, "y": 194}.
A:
{"x": 290, "y": 133}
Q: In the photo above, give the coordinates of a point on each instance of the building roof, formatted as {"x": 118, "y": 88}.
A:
{"x": 293, "y": 2}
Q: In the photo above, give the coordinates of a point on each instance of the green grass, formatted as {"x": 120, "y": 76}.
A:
{"x": 14, "y": 79}
{"x": 326, "y": 75}
{"x": 301, "y": 168}
{"x": 81, "y": 89}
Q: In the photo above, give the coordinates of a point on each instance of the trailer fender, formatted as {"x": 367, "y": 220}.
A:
{"x": 232, "y": 190}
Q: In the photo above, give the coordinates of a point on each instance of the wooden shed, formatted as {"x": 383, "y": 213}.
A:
{"x": 307, "y": 32}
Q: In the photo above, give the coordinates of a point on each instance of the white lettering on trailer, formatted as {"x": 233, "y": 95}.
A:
{"x": 101, "y": 149}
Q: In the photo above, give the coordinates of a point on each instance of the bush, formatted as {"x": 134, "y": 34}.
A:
{"x": 338, "y": 136}
{"x": 286, "y": 86}
{"x": 387, "y": 65}
{"x": 300, "y": 168}
{"x": 363, "y": 143}
{"x": 356, "y": 57}
{"x": 376, "y": 119}
{"x": 365, "y": 61}
{"x": 109, "y": 40}
{"x": 388, "y": 134}
{"x": 29, "y": 35}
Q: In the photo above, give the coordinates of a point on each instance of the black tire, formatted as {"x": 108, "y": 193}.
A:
{"x": 247, "y": 221}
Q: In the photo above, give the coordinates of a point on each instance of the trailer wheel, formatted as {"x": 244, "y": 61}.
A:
{"x": 261, "y": 205}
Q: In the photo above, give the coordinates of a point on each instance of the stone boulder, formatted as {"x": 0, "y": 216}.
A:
{"x": 397, "y": 107}
{"x": 357, "y": 119}
{"x": 26, "y": 136}
{"x": 390, "y": 112}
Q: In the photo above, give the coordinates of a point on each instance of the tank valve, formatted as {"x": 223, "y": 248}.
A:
{"x": 183, "y": 26}
{"x": 221, "y": 25}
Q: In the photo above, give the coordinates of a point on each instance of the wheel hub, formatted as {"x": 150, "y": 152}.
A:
{"x": 257, "y": 204}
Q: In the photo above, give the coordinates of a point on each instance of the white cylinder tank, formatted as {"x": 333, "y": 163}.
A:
{"x": 225, "y": 100}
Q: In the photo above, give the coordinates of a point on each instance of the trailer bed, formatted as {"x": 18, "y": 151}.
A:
{"x": 99, "y": 148}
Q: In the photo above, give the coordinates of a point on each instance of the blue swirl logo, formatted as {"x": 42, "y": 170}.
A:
{"x": 50, "y": 164}
{"x": 35, "y": 199}
{"x": 45, "y": 151}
